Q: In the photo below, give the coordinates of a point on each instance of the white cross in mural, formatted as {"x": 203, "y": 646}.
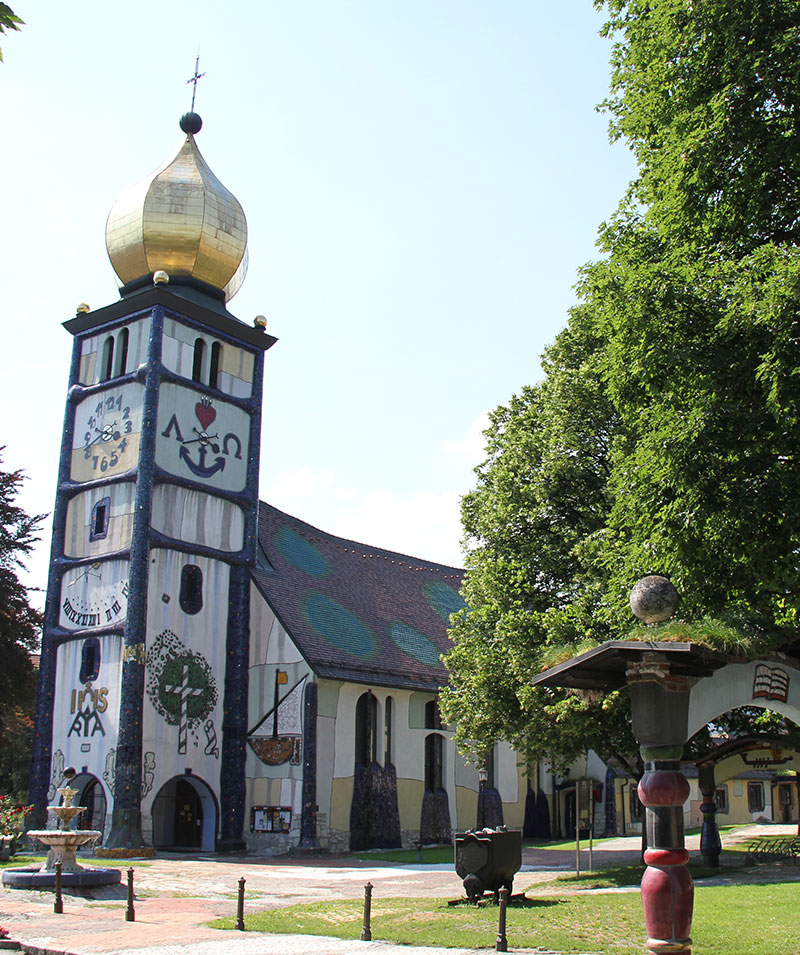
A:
{"x": 184, "y": 691}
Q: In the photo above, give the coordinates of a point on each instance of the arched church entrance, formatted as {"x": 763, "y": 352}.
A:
{"x": 92, "y": 796}
{"x": 185, "y": 815}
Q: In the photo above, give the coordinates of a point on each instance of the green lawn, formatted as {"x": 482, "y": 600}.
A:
{"x": 729, "y": 920}
{"x": 618, "y": 876}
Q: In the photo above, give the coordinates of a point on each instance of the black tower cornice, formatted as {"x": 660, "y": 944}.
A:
{"x": 188, "y": 297}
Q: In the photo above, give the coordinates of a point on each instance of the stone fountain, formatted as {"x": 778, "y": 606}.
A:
{"x": 62, "y": 843}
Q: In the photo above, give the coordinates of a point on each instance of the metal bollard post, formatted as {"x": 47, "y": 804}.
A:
{"x": 366, "y": 931}
{"x": 501, "y": 945}
{"x": 58, "y": 904}
{"x": 240, "y": 906}
{"x": 130, "y": 914}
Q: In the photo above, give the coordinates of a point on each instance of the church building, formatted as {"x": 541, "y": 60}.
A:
{"x": 220, "y": 674}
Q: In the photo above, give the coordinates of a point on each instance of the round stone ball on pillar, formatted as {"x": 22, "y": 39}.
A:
{"x": 654, "y": 599}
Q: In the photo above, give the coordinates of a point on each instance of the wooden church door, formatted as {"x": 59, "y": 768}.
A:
{"x": 188, "y": 816}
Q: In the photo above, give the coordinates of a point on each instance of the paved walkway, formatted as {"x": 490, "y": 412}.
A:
{"x": 177, "y": 895}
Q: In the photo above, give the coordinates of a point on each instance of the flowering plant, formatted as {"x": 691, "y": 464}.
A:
{"x": 12, "y": 817}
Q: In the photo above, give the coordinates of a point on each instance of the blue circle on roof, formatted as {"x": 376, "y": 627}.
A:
{"x": 337, "y": 625}
{"x": 414, "y": 643}
{"x": 444, "y": 599}
{"x": 304, "y": 555}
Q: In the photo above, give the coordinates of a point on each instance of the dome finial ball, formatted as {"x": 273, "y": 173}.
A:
{"x": 191, "y": 123}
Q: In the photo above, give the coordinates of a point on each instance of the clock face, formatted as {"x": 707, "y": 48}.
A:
{"x": 94, "y": 595}
{"x": 202, "y": 439}
{"x": 106, "y": 435}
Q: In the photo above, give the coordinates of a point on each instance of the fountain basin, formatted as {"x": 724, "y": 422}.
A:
{"x": 61, "y": 845}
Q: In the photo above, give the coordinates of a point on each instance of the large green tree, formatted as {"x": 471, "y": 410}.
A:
{"x": 20, "y": 627}
{"x": 665, "y": 435}
{"x": 8, "y": 21}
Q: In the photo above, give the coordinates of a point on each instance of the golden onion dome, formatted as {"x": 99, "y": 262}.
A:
{"x": 182, "y": 220}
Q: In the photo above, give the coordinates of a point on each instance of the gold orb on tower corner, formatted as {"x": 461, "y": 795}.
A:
{"x": 181, "y": 220}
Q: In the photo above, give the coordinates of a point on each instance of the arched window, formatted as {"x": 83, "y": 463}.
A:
{"x": 489, "y": 766}
{"x": 122, "y": 352}
{"x": 199, "y": 359}
{"x": 387, "y": 731}
{"x": 434, "y": 748}
{"x": 191, "y": 596}
{"x": 366, "y": 726}
{"x": 433, "y": 719}
{"x": 99, "y": 525}
{"x": 216, "y": 359}
{"x": 90, "y": 660}
{"x": 107, "y": 366}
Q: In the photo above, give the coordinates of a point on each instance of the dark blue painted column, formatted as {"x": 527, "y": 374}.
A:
{"x": 233, "y": 795}
{"x": 45, "y": 699}
{"x": 126, "y": 820}
{"x": 308, "y": 819}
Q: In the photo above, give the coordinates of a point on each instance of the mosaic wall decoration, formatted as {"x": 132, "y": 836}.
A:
{"x": 148, "y": 773}
{"x": 414, "y": 643}
{"x": 300, "y": 552}
{"x": 443, "y": 598}
{"x": 337, "y": 625}
{"x": 770, "y": 683}
{"x": 110, "y": 770}
{"x": 56, "y": 774}
{"x": 181, "y": 686}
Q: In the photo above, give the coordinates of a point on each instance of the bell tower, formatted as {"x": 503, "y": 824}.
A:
{"x": 143, "y": 674}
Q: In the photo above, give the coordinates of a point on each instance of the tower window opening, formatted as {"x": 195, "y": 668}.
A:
{"x": 99, "y": 525}
{"x": 107, "y": 367}
{"x": 90, "y": 660}
{"x": 199, "y": 359}
{"x": 122, "y": 351}
{"x": 191, "y": 595}
{"x": 216, "y": 358}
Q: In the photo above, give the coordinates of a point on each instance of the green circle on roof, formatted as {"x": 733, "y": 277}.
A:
{"x": 414, "y": 643}
{"x": 337, "y": 625}
{"x": 444, "y": 599}
{"x": 298, "y": 551}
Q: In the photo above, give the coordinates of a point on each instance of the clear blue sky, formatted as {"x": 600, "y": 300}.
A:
{"x": 422, "y": 180}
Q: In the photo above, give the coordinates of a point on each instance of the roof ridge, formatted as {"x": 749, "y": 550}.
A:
{"x": 412, "y": 563}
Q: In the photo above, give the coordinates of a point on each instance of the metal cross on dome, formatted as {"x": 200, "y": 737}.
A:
{"x": 193, "y": 79}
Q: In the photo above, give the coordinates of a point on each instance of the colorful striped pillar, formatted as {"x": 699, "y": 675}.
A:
{"x": 659, "y": 710}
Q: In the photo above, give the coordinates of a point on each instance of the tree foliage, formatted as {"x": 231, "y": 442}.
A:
{"x": 664, "y": 437}
{"x": 20, "y": 626}
{"x": 8, "y": 21}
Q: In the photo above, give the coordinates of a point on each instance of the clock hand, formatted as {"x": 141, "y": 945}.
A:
{"x": 205, "y": 438}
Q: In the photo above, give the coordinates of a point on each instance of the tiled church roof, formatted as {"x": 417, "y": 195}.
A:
{"x": 356, "y": 612}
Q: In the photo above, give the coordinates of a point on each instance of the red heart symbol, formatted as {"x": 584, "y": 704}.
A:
{"x": 205, "y": 414}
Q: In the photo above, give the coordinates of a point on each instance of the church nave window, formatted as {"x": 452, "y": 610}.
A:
{"x": 366, "y": 730}
{"x": 388, "y": 739}
{"x": 434, "y": 754}
{"x": 191, "y": 595}
{"x": 433, "y": 718}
